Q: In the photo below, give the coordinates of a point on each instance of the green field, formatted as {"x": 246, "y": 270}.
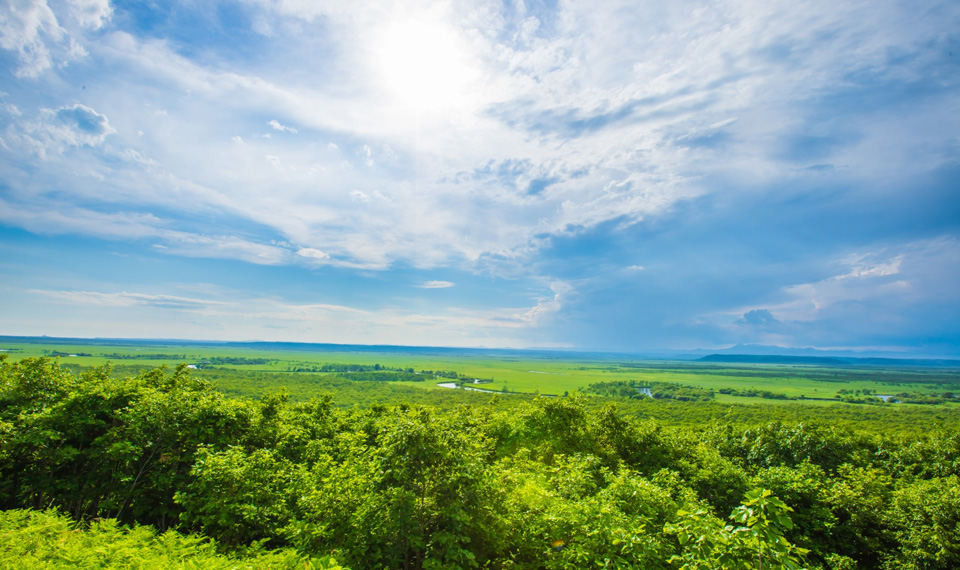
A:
{"x": 514, "y": 372}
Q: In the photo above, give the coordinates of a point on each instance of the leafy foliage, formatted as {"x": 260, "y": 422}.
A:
{"x": 754, "y": 393}
{"x": 384, "y": 376}
{"x": 512, "y": 482}
{"x": 637, "y": 389}
{"x": 31, "y": 539}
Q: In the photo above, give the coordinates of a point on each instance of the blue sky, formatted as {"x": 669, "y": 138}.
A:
{"x": 635, "y": 176}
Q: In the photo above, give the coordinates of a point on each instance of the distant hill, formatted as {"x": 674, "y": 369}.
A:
{"x": 827, "y": 360}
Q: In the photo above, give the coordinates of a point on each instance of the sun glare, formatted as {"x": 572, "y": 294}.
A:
{"x": 422, "y": 64}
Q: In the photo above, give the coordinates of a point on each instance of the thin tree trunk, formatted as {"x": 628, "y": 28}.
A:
{"x": 126, "y": 502}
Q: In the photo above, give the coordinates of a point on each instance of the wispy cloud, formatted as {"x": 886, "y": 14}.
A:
{"x": 282, "y": 128}
{"x": 547, "y": 307}
{"x": 435, "y": 284}
{"x": 124, "y": 299}
{"x": 253, "y": 316}
{"x": 863, "y": 268}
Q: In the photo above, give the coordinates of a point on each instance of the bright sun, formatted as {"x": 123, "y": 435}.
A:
{"x": 422, "y": 64}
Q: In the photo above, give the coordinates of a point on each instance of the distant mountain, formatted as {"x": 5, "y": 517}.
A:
{"x": 827, "y": 360}
{"x": 765, "y": 349}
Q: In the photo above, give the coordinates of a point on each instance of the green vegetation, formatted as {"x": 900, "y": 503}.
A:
{"x": 546, "y": 373}
{"x": 658, "y": 390}
{"x": 405, "y": 475}
{"x": 753, "y": 393}
{"x": 49, "y": 540}
{"x": 382, "y": 376}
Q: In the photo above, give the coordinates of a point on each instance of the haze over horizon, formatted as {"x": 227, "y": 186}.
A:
{"x": 625, "y": 176}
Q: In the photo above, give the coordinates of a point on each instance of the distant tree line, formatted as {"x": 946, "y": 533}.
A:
{"x": 383, "y": 376}
{"x": 754, "y": 393}
{"x": 234, "y": 361}
{"x": 451, "y": 374}
{"x": 637, "y": 389}
{"x": 59, "y": 353}
{"x": 143, "y": 356}
{"x": 339, "y": 367}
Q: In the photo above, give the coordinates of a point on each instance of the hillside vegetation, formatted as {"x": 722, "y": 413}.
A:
{"x": 512, "y": 482}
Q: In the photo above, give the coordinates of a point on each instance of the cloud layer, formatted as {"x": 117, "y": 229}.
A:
{"x": 661, "y": 176}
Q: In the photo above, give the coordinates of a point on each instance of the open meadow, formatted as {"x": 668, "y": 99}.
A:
{"x": 546, "y": 373}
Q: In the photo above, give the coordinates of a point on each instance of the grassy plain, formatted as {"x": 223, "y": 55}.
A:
{"x": 518, "y": 372}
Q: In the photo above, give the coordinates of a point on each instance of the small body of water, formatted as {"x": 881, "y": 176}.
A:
{"x": 454, "y": 385}
{"x": 645, "y": 392}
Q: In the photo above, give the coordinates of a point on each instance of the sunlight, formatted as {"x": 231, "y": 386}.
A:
{"x": 421, "y": 63}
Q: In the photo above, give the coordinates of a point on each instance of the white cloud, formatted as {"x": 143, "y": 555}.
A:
{"x": 282, "y": 128}
{"x": 313, "y": 313}
{"x": 138, "y": 226}
{"x": 274, "y": 161}
{"x": 867, "y": 276}
{"x": 435, "y": 284}
{"x": 124, "y": 299}
{"x": 84, "y": 125}
{"x": 53, "y": 131}
{"x": 451, "y": 327}
{"x": 26, "y": 26}
{"x": 231, "y": 315}
{"x": 546, "y": 307}
{"x": 862, "y": 266}
{"x": 225, "y": 246}
{"x": 312, "y": 253}
{"x": 46, "y": 219}
{"x": 91, "y": 14}
{"x": 899, "y": 275}
{"x": 41, "y": 40}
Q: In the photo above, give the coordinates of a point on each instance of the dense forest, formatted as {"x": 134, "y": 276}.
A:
{"x": 104, "y": 469}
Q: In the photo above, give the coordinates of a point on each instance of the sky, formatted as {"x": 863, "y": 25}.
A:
{"x": 620, "y": 175}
